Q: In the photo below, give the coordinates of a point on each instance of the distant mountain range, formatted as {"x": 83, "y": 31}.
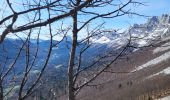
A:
{"x": 145, "y": 75}
{"x": 143, "y": 34}
{"x": 155, "y": 30}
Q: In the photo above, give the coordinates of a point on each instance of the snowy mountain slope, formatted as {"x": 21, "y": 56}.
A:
{"x": 151, "y": 76}
{"x": 165, "y": 98}
{"x": 165, "y": 71}
{"x": 156, "y": 28}
{"x": 154, "y": 63}
{"x": 163, "y": 58}
{"x": 149, "y": 68}
{"x": 162, "y": 48}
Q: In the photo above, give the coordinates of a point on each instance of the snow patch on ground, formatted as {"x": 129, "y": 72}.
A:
{"x": 142, "y": 43}
{"x": 165, "y": 98}
{"x": 155, "y": 61}
{"x": 58, "y": 66}
{"x": 35, "y": 71}
{"x": 11, "y": 90}
{"x": 102, "y": 40}
{"x": 165, "y": 39}
{"x": 165, "y": 71}
{"x": 162, "y": 48}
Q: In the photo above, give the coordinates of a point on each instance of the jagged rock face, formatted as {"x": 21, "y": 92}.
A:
{"x": 153, "y": 21}
{"x": 155, "y": 28}
{"x": 159, "y": 21}
{"x": 165, "y": 19}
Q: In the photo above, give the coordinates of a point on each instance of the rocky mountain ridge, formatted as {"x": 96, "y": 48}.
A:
{"x": 145, "y": 75}
{"x": 156, "y": 28}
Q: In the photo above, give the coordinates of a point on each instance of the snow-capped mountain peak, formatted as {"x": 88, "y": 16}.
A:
{"x": 101, "y": 40}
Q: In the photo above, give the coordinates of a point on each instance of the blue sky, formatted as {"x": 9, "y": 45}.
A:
{"x": 153, "y": 8}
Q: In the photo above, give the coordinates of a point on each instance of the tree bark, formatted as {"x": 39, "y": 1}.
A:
{"x": 71, "y": 90}
{"x": 1, "y": 90}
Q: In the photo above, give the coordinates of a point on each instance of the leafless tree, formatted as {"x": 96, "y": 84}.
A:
{"x": 43, "y": 15}
{"x": 74, "y": 70}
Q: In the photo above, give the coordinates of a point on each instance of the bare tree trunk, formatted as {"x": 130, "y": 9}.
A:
{"x": 1, "y": 90}
{"x": 71, "y": 91}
